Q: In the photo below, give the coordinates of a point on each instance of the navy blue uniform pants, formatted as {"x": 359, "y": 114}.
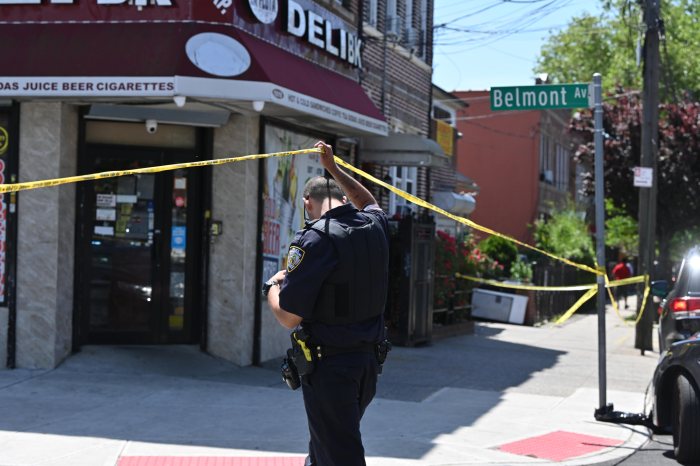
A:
{"x": 336, "y": 395}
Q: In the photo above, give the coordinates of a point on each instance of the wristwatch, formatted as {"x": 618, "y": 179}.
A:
{"x": 267, "y": 285}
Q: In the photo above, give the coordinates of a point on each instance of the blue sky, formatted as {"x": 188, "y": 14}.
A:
{"x": 497, "y": 41}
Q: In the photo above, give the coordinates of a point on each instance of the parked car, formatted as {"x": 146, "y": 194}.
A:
{"x": 676, "y": 399}
{"x": 679, "y": 312}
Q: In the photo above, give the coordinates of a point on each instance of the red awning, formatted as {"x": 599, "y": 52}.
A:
{"x": 151, "y": 60}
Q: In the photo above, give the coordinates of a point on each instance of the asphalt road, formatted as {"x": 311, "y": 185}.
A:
{"x": 657, "y": 452}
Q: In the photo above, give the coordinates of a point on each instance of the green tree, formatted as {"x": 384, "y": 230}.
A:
{"x": 621, "y": 230}
{"x": 565, "y": 234}
{"x": 678, "y": 180}
{"x": 611, "y": 42}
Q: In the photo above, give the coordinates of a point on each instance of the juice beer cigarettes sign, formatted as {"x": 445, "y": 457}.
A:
{"x": 93, "y": 86}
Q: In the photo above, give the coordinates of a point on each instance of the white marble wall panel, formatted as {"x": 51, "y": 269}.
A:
{"x": 48, "y": 149}
{"x": 232, "y": 278}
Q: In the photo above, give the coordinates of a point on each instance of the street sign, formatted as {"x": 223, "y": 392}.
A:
{"x": 643, "y": 177}
{"x": 541, "y": 97}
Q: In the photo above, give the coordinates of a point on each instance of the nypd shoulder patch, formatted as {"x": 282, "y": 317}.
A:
{"x": 294, "y": 258}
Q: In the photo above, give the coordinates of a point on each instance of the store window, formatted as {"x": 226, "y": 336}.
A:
{"x": 406, "y": 179}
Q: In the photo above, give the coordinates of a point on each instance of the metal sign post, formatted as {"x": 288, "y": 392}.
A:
{"x": 573, "y": 95}
{"x": 600, "y": 233}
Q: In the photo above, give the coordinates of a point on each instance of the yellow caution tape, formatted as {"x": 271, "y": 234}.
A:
{"x": 14, "y": 187}
{"x": 469, "y": 223}
{"x": 581, "y": 301}
{"x": 647, "y": 288}
{"x": 626, "y": 281}
{"x": 515, "y": 286}
{"x": 594, "y": 286}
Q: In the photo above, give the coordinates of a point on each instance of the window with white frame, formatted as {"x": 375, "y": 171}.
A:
{"x": 444, "y": 113}
{"x": 406, "y": 179}
{"x": 370, "y": 12}
{"x": 393, "y": 24}
{"x": 554, "y": 163}
{"x": 408, "y": 17}
{"x": 423, "y": 36}
{"x": 561, "y": 180}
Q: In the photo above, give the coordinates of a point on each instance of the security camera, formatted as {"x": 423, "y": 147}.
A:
{"x": 151, "y": 126}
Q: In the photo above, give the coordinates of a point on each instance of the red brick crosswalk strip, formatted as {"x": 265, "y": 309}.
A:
{"x": 559, "y": 445}
{"x": 211, "y": 461}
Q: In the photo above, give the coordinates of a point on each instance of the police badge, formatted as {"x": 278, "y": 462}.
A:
{"x": 294, "y": 258}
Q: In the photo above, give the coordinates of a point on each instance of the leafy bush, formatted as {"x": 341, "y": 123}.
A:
{"x": 500, "y": 250}
{"x": 521, "y": 271}
{"x": 565, "y": 234}
{"x": 459, "y": 256}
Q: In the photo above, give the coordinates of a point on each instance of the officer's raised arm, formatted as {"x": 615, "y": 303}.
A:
{"x": 356, "y": 193}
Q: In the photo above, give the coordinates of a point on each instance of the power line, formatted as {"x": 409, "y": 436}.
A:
{"x": 520, "y": 21}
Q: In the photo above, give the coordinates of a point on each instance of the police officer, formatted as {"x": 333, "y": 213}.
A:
{"x": 334, "y": 290}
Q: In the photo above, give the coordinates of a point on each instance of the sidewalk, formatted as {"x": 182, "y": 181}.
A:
{"x": 457, "y": 402}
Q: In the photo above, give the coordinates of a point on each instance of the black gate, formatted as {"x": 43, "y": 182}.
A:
{"x": 410, "y": 303}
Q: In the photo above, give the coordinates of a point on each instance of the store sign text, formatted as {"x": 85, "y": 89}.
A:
{"x": 320, "y": 33}
{"x": 63, "y": 86}
{"x": 138, "y": 3}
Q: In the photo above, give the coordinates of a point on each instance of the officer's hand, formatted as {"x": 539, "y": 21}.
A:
{"x": 279, "y": 276}
{"x": 327, "y": 159}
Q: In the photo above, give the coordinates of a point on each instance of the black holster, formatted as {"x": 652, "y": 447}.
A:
{"x": 302, "y": 352}
{"x": 381, "y": 351}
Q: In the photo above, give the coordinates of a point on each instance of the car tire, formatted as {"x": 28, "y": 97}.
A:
{"x": 686, "y": 421}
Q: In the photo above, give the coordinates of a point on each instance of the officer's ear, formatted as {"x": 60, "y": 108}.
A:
{"x": 345, "y": 200}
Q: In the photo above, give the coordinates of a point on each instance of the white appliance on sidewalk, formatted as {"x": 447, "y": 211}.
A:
{"x": 495, "y": 305}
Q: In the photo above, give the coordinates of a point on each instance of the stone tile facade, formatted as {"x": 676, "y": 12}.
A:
{"x": 46, "y": 231}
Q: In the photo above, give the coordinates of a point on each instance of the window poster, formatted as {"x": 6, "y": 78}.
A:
{"x": 285, "y": 178}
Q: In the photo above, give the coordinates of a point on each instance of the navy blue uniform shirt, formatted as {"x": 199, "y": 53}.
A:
{"x": 311, "y": 259}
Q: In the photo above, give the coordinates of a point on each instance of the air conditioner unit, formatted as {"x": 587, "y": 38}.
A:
{"x": 499, "y": 306}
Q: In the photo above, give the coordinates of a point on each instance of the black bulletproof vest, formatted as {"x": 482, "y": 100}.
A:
{"x": 356, "y": 290}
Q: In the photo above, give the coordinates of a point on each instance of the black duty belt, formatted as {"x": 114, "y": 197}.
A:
{"x": 324, "y": 351}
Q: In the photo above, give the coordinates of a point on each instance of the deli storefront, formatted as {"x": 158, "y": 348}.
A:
{"x": 175, "y": 257}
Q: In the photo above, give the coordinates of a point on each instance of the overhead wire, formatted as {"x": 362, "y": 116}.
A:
{"x": 453, "y": 34}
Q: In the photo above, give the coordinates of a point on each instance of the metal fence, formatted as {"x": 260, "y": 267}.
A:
{"x": 549, "y": 304}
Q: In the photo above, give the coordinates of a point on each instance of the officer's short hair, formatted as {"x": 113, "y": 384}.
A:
{"x": 319, "y": 188}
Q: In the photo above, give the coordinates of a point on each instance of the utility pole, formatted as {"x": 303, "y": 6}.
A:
{"x": 650, "y": 138}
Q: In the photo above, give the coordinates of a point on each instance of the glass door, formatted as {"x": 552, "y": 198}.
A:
{"x": 137, "y": 234}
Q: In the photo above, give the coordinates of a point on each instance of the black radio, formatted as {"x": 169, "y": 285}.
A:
{"x": 290, "y": 375}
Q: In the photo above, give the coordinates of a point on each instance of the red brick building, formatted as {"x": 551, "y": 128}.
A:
{"x": 520, "y": 160}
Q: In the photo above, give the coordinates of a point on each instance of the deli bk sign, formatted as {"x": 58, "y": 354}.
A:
{"x": 303, "y": 19}
{"x": 311, "y": 27}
